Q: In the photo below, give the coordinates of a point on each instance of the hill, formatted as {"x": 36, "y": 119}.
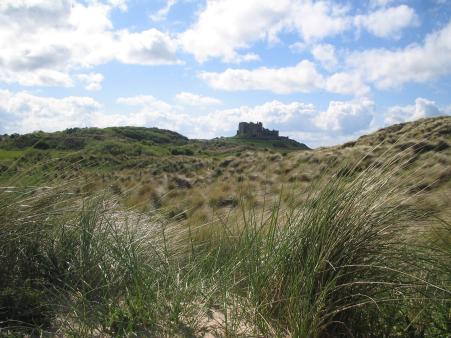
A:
{"x": 133, "y": 141}
{"x": 166, "y": 165}
{"x": 80, "y": 138}
{"x": 433, "y": 130}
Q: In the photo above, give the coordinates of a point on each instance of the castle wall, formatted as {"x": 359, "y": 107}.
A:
{"x": 256, "y": 130}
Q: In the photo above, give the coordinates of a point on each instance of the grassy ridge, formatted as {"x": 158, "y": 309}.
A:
{"x": 135, "y": 141}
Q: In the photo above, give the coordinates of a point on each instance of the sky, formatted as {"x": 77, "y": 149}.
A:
{"x": 321, "y": 72}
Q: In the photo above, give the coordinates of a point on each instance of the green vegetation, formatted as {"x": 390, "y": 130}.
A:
{"x": 186, "y": 239}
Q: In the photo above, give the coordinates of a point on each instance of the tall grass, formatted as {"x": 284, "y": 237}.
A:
{"x": 354, "y": 259}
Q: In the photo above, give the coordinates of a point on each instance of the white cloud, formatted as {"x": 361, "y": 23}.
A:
{"x": 320, "y": 138}
{"x": 45, "y": 41}
{"x": 150, "y": 47}
{"x": 325, "y": 54}
{"x": 347, "y": 83}
{"x": 316, "y": 20}
{"x": 415, "y": 63}
{"x": 274, "y": 114}
{"x": 380, "y": 3}
{"x": 23, "y": 112}
{"x": 422, "y": 108}
{"x": 38, "y": 77}
{"x": 388, "y": 22}
{"x": 346, "y": 117}
{"x": 92, "y": 81}
{"x": 301, "y": 78}
{"x": 224, "y": 27}
{"x": 148, "y": 101}
{"x": 121, "y": 4}
{"x": 342, "y": 120}
{"x": 153, "y": 112}
{"x": 162, "y": 13}
{"x": 191, "y": 99}
{"x": 298, "y": 47}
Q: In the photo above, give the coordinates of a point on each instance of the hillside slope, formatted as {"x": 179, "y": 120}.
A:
{"x": 79, "y": 138}
{"x": 193, "y": 178}
{"x": 432, "y": 130}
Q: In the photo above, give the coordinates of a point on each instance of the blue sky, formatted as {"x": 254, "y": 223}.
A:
{"x": 322, "y": 72}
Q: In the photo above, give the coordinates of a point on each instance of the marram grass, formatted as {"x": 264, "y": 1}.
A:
{"x": 354, "y": 259}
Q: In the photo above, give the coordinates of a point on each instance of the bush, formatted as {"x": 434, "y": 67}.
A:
{"x": 182, "y": 151}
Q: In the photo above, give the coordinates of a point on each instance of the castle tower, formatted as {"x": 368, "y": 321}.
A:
{"x": 256, "y": 130}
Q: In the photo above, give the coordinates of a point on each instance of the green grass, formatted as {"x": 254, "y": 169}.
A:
{"x": 353, "y": 259}
{"x": 286, "y": 145}
{"x": 10, "y": 154}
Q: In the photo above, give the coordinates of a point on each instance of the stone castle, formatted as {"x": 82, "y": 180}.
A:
{"x": 256, "y": 130}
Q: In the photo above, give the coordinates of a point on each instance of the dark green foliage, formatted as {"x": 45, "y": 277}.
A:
{"x": 24, "y": 306}
{"x": 182, "y": 151}
{"x": 158, "y": 136}
{"x": 117, "y": 148}
{"x": 79, "y": 138}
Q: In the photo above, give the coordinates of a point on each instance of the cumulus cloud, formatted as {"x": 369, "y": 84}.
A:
{"x": 415, "y": 63}
{"x": 150, "y": 47}
{"x": 421, "y": 109}
{"x": 273, "y": 114}
{"x": 276, "y": 114}
{"x": 380, "y": 3}
{"x": 287, "y": 117}
{"x": 162, "y": 13}
{"x": 23, "y": 112}
{"x": 316, "y": 20}
{"x": 346, "y": 117}
{"x": 45, "y": 41}
{"x": 340, "y": 123}
{"x": 223, "y": 27}
{"x": 92, "y": 81}
{"x": 388, "y": 22}
{"x": 154, "y": 112}
{"x": 38, "y": 77}
{"x": 325, "y": 54}
{"x": 121, "y": 4}
{"x": 191, "y": 99}
{"x": 302, "y": 78}
{"x": 347, "y": 83}
{"x": 147, "y": 101}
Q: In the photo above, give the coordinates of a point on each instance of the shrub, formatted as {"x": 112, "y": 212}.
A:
{"x": 182, "y": 151}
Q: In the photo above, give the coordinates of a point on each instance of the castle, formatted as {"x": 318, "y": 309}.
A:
{"x": 256, "y": 130}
